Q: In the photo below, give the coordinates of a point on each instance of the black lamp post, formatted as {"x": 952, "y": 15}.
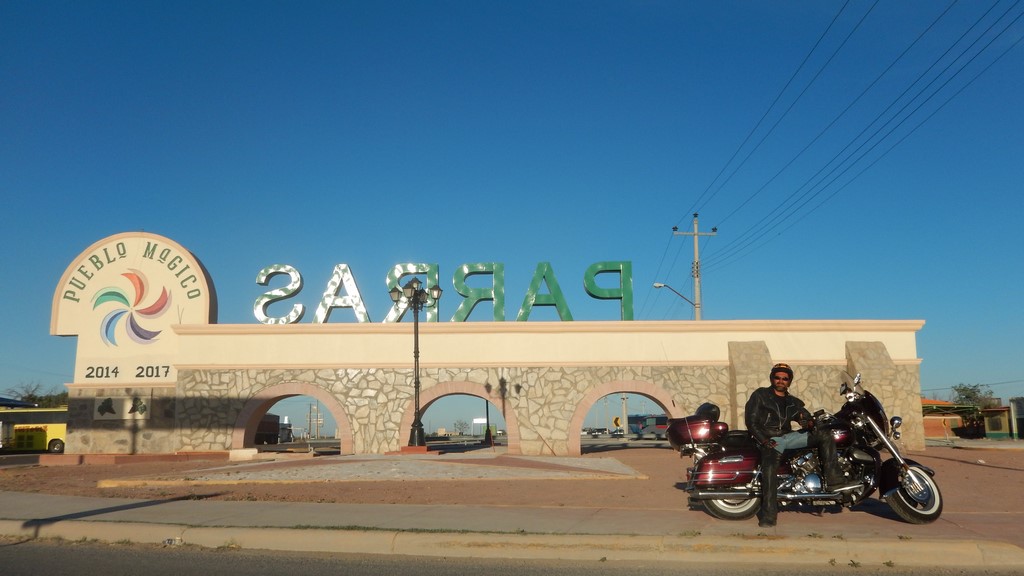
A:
{"x": 417, "y": 299}
{"x": 488, "y": 440}
{"x": 503, "y": 394}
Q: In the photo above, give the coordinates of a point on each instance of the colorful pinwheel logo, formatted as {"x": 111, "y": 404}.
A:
{"x": 129, "y": 310}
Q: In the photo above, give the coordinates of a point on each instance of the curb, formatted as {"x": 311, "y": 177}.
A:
{"x": 871, "y": 552}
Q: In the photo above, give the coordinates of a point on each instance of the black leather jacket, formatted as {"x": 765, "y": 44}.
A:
{"x": 766, "y": 418}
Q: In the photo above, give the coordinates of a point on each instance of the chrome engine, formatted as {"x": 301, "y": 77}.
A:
{"x": 805, "y": 478}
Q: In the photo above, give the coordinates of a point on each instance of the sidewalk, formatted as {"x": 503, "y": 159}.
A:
{"x": 976, "y": 443}
{"x": 868, "y": 536}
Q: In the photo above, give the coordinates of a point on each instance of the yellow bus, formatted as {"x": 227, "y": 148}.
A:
{"x": 33, "y": 429}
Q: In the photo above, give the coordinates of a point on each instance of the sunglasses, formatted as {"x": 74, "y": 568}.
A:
{"x": 783, "y": 378}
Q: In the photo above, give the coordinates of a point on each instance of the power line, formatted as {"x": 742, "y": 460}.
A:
{"x": 758, "y": 230}
{"x": 990, "y": 385}
{"x": 793, "y": 204}
{"x": 794, "y": 103}
{"x": 742, "y": 237}
{"x": 697, "y": 203}
{"x": 755, "y": 128}
{"x": 933, "y": 113}
{"x": 657, "y": 274}
{"x": 796, "y": 205}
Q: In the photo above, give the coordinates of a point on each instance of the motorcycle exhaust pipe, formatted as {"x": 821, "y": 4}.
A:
{"x": 734, "y": 495}
{"x": 809, "y": 496}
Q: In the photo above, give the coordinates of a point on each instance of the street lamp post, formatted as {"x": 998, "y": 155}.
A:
{"x": 417, "y": 299}
{"x": 488, "y": 440}
{"x": 696, "y": 307}
{"x": 503, "y": 393}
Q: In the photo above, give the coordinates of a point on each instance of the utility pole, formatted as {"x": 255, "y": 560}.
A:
{"x": 696, "y": 263}
{"x": 314, "y": 420}
{"x": 625, "y": 416}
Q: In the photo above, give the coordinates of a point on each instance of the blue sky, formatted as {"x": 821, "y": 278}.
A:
{"x": 860, "y": 160}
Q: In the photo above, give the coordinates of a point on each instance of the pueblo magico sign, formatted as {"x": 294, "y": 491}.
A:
{"x": 122, "y": 294}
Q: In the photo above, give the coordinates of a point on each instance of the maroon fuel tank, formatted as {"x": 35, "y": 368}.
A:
{"x": 842, "y": 433}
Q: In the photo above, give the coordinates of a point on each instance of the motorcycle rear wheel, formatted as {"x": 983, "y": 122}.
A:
{"x": 917, "y": 500}
{"x": 733, "y": 509}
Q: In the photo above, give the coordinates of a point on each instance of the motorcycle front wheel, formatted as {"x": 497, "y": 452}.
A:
{"x": 917, "y": 499}
{"x": 733, "y": 509}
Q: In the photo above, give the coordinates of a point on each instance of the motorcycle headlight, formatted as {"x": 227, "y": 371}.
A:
{"x": 895, "y": 422}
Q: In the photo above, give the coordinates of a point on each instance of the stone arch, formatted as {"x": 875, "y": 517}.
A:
{"x": 256, "y": 406}
{"x": 655, "y": 393}
{"x": 430, "y": 395}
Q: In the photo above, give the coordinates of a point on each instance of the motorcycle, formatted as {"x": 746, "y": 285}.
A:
{"x": 725, "y": 475}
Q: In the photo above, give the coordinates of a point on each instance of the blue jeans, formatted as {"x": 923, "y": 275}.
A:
{"x": 770, "y": 460}
{"x": 791, "y": 441}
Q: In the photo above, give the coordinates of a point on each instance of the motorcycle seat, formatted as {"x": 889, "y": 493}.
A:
{"x": 737, "y": 439}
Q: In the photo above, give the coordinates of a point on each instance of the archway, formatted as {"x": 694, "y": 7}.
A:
{"x": 258, "y": 405}
{"x": 432, "y": 394}
{"x": 658, "y": 395}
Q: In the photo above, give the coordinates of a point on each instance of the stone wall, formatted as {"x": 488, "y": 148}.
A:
{"x": 153, "y": 431}
{"x": 897, "y": 387}
{"x": 543, "y": 401}
{"x": 544, "y": 406}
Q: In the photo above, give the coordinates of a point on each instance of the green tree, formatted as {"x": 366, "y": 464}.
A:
{"x": 33, "y": 392}
{"x": 974, "y": 395}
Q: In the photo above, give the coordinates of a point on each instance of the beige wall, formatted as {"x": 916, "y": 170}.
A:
{"x": 228, "y": 375}
{"x": 535, "y": 343}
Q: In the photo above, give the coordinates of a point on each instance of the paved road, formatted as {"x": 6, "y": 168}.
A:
{"x": 40, "y": 557}
{"x": 868, "y": 536}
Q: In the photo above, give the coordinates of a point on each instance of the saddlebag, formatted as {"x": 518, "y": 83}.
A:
{"x": 727, "y": 468}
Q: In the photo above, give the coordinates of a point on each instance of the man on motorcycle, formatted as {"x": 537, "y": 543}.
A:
{"x": 769, "y": 414}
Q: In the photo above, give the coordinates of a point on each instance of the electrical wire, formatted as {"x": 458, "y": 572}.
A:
{"x": 761, "y": 120}
{"x": 657, "y": 274}
{"x": 758, "y": 230}
{"x": 989, "y": 385}
{"x": 915, "y": 128}
{"x": 839, "y": 116}
{"x": 792, "y": 105}
{"x": 753, "y": 130}
{"x": 745, "y": 243}
{"x": 757, "y": 235}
